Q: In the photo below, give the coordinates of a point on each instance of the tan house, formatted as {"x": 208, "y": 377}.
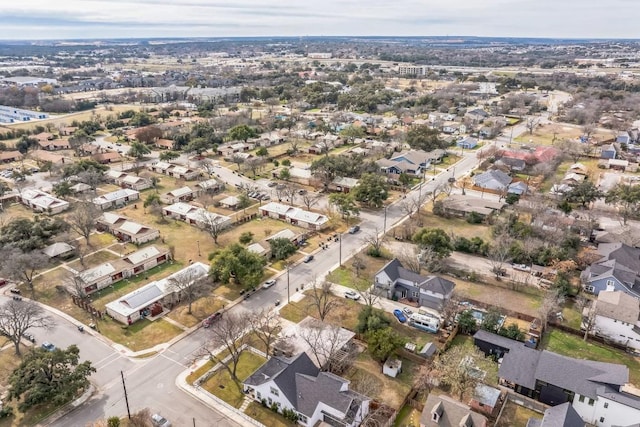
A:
{"x": 54, "y": 144}
{"x": 463, "y": 206}
{"x": 10, "y": 156}
{"x": 125, "y": 229}
{"x": 183, "y": 194}
{"x": 116, "y": 199}
{"x": 40, "y": 201}
{"x": 108, "y": 157}
{"x": 47, "y": 157}
{"x": 165, "y": 144}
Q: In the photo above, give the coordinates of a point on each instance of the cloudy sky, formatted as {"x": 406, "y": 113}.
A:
{"x": 56, "y": 19}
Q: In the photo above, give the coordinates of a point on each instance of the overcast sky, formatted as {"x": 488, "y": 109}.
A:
{"x": 57, "y": 19}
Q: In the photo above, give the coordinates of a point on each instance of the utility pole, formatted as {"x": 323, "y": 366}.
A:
{"x": 340, "y": 250}
{"x": 288, "y": 289}
{"x": 126, "y": 398}
{"x": 384, "y": 227}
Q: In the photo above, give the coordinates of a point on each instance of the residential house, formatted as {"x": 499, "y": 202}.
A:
{"x": 493, "y": 180}
{"x": 154, "y": 298}
{"x": 116, "y": 199}
{"x": 616, "y": 316}
{"x": 176, "y": 171}
{"x": 467, "y": 143}
{"x": 60, "y": 250}
{"x": 558, "y": 416}
{"x": 164, "y": 144}
{"x": 431, "y": 292}
{"x": 126, "y": 180}
{"x": 10, "y": 156}
{"x": 343, "y": 184}
{"x": 88, "y": 149}
{"x": 210, "y": 186}
{"x": 125, "y": 229}
{"x": 54, "y": 144}
{"x": 541, "y": 154}
{"x": 453, "y": 128}
{"x": 617, "y": 269}
{"x": 514, "y": 165}
{"x": 608, "y": 151}
{"x": 443, "y": 411}
{"x": 107, "y": 157}
{"x": 43, "y": 156}
{"x": 296, "y": 384}
{"x": 80, "y": 187}
{"x": 228, "y": 150}
{"x": 295, "y": 216}
{"x": 231, "y": 202}
{"x": 412, "y": 162}
{"x": 105, "y": 274}
{"x": 44, "y": 136}
{"x": 623, "y": 138}
{"x": 292, "y": 236}
{"x": 476, "y": 115}
{"x": 260, "y": 249}
{"x": 39, "y": 201}
{"x": 182, "y": 194}
{"x": 463, "y": 206}
{"x": 598, "y": 391}
{"x": 193, "y": 215}
{"x": 617, "y": 164}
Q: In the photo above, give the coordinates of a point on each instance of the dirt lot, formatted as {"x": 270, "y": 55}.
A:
{"x": 543, "y": 135}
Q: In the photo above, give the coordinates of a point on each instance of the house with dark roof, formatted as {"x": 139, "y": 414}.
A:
{"x": 616, "y": 317}
{"x": 443, "y": 411}
{"x": 558, "y": 416}
{"x": 598, "y": 391}
{"x": 617, "y": 269}
{"x": 428, "y": 291}
{"x": 493, "y": 179}
{"x": 297, "y": 384}
{"x": 412, "y": 162}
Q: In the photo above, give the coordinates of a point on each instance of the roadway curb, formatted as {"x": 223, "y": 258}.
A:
{"x": 69, "y": 407}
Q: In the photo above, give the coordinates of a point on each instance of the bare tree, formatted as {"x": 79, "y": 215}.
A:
{"x": 532, "y": 123}
{"x": 325, "y": 342}
{"x": 310, "y": 199}
{"x": 230, "y": 334}
{"x": 366, "y": 384}
{"x": 409, "y": 258}
{"x": 91, "y": 177}
{"x": 588, "y": 129}
{"x": 294, "y": 146}
{"x": 551, "y": 303}
{"x": 266, "y": 326}
{"x": 21, "y": 266}
{"x": 238, "y": 160}
{"x": 456, "y": 368}
{"x": 142, "y": 418}
{"x": 587, "y": 309}
{"x": 190, "y": 285}
{"x": 499, "y": 255}
{"x": 77, "y": 286}
{"x": 322, "y": 299}
{"x": 375, "y": 241}
{"x": 426, "y": 379}
{"x": 254, "y": 164}
{"x": 82, "y": 218}
{"x": 17, "y": 316}
{"x": 290, "y": 191}
{"x": 212, "y": 224}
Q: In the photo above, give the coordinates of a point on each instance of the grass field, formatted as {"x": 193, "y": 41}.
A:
{"x": 93, "y": 260}
{"x": 221, "y": 385}
{"x": 141, "y": 335}
{"x": 543, "y": 135}
{"x": 573, "y": 346}
{"x": 266, "y": 416}
{"x": 407, "y": 417}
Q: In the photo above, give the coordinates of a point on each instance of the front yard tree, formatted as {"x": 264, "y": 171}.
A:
{"x": 189, "y": 285}
{"x": 345, "y": 204}
{"x": 49, "y": 377}
{"x": 266, "y": 326}
{"x": 197, "y": 146}
{"x": 138, "y": 150}
{"x": 82, "y": 218}
{"x": 281, "y": 248}
{"x": 167, "y": 156}
{"x": 436, "y": 240}
{"x": 62, "y": 189}
{"x": 626, "y": 197}
{"x": 467, "y": 323}
{"x": 325, "y": 342}
{"x": 16, "y": 317}
{"x": 422, "y": 137}
{"x": 321, "y": 299}
{"x": 237, "y": 263}
{"x": 22, "y": 266}
{"x": 230, "y": 334}
{"x": 372, "y": 189}
{"x": 148, "y": 134}
{"x": 310, "y": 199}
{"x": 213, "y": 224}
{"x": 238, "y": 160}
{"x": 242, "y": 132}
{"x": 584, "y": 193}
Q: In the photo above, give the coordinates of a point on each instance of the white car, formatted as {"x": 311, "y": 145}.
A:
{"x": 269, "y": 283}
{"x": 521, "y": 267}
{"x": 159, "y": 421}
{"x": 352, "y": 295}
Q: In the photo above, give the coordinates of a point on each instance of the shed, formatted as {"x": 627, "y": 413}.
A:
{"x": 392, "y": 367}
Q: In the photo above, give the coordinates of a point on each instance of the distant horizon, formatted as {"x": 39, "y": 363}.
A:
{"x": 41, "y": 20}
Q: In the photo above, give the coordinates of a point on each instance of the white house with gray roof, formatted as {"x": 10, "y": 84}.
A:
{"x": 599, "y": 392}
{"x": 39, "y": 201}
{"x": 154, "y": 296}
{"x": 182, "y": 194}
{"x": 428, "y": 291}
{"x": 295, "y": 216}
{"x": 193, "y": 215}
{"x": 616, "y": 317}
{"x": 296, "y": 383}
{"x": 116, "y": 199}
{"x": 125, "y": 229}
{"x": 617, "y": 269}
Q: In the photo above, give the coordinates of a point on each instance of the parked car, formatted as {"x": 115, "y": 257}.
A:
{"x": 302, "y": 191}
{"x": 15, "y": 291}
{"x": 48, "y": 346}
{"x": 159, "y": 421}
{"x": 399, "y": 315}
{"x": 272, "y": 184}
{"x": 407, "y": 311}
{"x": 269, "y": 283}
{"x": 209, "y": 320}
{"x": 352, "y": 295}
{"x": 308, "y": 258}
{"x": 29, "y": 337}
{"x": 354, "y": 229}
{"x": 521, "y": 267}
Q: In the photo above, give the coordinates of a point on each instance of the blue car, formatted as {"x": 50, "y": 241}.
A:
{"x": 399, "y": 315}
{"x": 48, "y": 346}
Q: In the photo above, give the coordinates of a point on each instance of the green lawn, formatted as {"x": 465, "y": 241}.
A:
{"x": 516, "y": 416}
{"x": 407, "y": 417}
{"x": 266, "y": 416}
{"x": 573, "y": 346}
{"x": 221, "y": 385}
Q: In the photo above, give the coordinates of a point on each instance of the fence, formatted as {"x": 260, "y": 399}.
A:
{"x": 601, "y": 340}
{"x": 520, "y": 400}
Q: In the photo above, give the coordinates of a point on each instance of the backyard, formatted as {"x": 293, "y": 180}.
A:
{"x": 515, "y": 415}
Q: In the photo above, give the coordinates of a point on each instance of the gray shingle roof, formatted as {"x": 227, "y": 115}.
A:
{"x": 451, "y": 412}
{"x": 492, "y": 179}
{"x": 323, "y": 388}
{"x": 142, "y": 298}
{"x": 562, "y": 416}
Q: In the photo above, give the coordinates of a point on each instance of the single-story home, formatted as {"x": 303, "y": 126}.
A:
{"x": 125, "y": 229}
{"x": 608, "y": 152}
{"x": 44, "y": 156}
{"x": 116, "y": 199}
{"x": 182, "y": 194}
{"x": 193, "y": 215}
{"x": 230, "y": 202}
{"x": 39, "y": 201}
{"x": 105, "y": 274}
{"x": 152, "y": 299}
{"x": 467, "y": 143}
{"x": 295, "y": 216}
{"x": 462, "y": 206}
{"x": 174, "y": 170}
{"x": 10, "y": 156}
{"x": 210, "y": 186}
{"x": 107, "y": 157}
{"x": 126, "y": 180}
{"x": 260, "y": 249}
{"x": 54, "y": 145}
{"x": 343, "y": 184}
{"x": 59, "y": 250}
{"x": 443, "y": 411}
